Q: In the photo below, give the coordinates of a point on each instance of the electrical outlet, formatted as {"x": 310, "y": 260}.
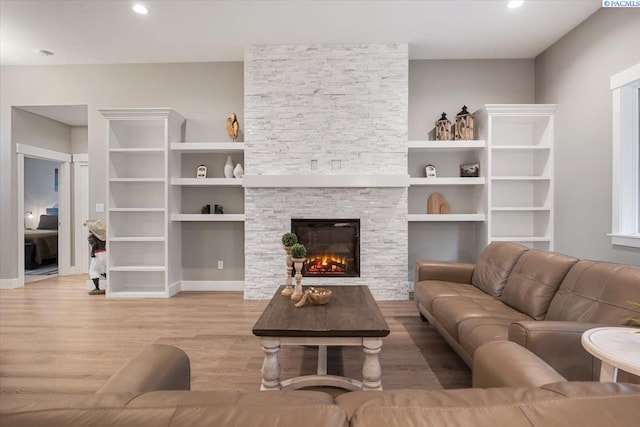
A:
{"x": 220, "y": 265}
{"x": 99, "y": 207}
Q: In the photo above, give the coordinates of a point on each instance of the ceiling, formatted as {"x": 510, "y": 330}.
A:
{"x": 108, "y": 32}
{"x": 72, "y": 115}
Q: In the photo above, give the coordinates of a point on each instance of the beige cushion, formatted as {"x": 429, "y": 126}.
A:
{"x": 597, "y": 292}
{"x": 534, "y": 281}
{"x": 472, "y": 333}
{"x": 494, "y": 266}
{"x": 428, "y": 290}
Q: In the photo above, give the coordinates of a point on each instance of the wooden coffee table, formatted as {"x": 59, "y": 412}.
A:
{"x": 351, "y": 318}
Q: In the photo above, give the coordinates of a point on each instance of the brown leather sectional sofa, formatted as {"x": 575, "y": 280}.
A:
{"x": 153, "y": 390}
{"x": 540, "y": 300}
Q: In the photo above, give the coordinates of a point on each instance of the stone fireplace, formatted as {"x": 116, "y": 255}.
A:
{"x": 333, "y": 246}
{"x": 326, "y": 137}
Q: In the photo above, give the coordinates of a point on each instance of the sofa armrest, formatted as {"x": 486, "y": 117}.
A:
{"x": 507, "y": 364}
{"x": 442, "y": 270}
{"x": 157, "y": 367}
{"x": 559, "y": 344}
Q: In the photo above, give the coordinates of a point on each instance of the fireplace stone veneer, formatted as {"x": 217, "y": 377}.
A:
{"x": 319, "y": 111}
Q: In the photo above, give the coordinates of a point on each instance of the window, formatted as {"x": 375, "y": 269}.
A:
{"x": 625, "y": 227}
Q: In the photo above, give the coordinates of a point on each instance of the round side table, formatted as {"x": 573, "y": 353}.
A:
{"x": 616, "y": 347}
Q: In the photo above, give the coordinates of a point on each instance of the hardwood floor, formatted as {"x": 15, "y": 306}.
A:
{"x": 54, "y": 337}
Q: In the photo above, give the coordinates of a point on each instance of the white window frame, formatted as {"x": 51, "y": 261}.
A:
{"x": 625, "y": 222}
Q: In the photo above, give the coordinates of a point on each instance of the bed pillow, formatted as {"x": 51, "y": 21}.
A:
{"x": 48, "y": 222}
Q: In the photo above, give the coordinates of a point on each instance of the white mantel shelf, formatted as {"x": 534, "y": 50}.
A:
{"x": 324, "y": 181}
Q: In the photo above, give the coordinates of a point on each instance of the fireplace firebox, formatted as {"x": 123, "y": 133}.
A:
{"x": 333, "y": 246}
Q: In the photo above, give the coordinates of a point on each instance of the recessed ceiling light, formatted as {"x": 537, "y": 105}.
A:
{"x": 515, "y": 4}
{"x": 140, "y": 9}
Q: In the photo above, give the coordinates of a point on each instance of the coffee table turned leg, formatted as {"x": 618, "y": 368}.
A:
{"x": 271, "y": 364}
{"x": 371, "y": 370}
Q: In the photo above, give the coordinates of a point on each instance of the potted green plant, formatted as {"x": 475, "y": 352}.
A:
{"x": 299, "y": 255}
{"x": 289, "y": 239}
{"x": 298, "y": 251}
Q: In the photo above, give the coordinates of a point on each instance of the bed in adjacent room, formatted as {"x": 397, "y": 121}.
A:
{"x": 41, "y": 244}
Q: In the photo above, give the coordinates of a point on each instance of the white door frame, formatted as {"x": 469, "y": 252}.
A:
{"x": 80, "y": 198}
{"x": 64, "y": 205}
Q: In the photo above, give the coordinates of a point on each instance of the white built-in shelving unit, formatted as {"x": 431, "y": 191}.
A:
{"x": 520, "y": 142}
{"x": 464, "y": 194}
{"x": 212, "y": 190}
{"x": 142, "y": 245}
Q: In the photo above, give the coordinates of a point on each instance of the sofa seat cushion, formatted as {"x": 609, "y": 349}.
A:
{"x": 597, "y": 292}
{"x": 560, "y": 404}
{"x": 494, "y": 266}
{"x": 472, "y": 333}
{"x": 427, "y": 291}
{"x": 534, "y": 281}
{"x": 450, "y": 312}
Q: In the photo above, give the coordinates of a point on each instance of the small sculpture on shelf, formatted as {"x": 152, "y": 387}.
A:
{"x": 437, "y": 204}
{"x": 233, "y": 126}
{"x": 470, "y": 170}
{"x": 201, "y": 171}
{"x": 443, "y": 128}
{"x": 238, "y": 171}
{"x": 430, "y": 171}
{"x": 299, "y": 256}
{"x": 228, "y": 168}
{"x": 464, "y": 125}
{"x": 288, "y": 240}
{"x": 206, "y": 209}
{"x": 218, "y": 209}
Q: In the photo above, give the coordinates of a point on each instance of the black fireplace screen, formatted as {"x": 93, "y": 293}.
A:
{"x": 333, "y": 246}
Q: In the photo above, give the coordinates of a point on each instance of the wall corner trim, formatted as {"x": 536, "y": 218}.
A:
{"x": 10, "y": 283}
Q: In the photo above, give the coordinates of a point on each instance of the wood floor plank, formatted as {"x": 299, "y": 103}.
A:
{"x": 54, "y": 337}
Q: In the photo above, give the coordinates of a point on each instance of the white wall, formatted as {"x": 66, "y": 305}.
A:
{"x": 79, "y": 139}
{"x": 205, "y": 93}
{"x": 447, "y": 85}
{"x": 575, "y": 73}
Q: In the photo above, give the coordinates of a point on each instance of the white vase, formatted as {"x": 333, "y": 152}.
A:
{"x": 228, "y": 168}
{"x": 238, "y": 171}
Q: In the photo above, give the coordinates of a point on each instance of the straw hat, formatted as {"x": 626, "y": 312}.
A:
{"x": 97, "y": 228}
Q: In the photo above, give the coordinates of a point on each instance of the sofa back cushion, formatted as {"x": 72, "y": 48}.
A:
{"x": 534, "y": 281}
{"x": 494, "y": 266}
{"x": 597, "y": 292}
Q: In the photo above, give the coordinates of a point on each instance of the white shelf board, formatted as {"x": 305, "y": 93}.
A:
{"x": 325, "y": 181}
{"x": 137, "y": 268}
{"x": 520, "y": 209}
{"x": 446, "y": 217}
{"x": 137, "y": 150}
{"x": 136, "y": 179}
{"x": 520, "y": 178}
{"x": 446, "y": 181}
{"x": 138, "y": 294}
{"x": 136, "y": 210}
{"x": 446, "y": 145}
{"x": 136, "y": 239}
{"x": 208, "y": 217}
{"x": 520, "y": 239}
{"x": 521, "y": 147}
{"x": 208, "y": 147}
{"x": 203, "y": 182}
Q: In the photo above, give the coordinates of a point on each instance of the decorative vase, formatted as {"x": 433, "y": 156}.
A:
{"x": 297, "y": 291}
{"x": 228, "y": 168}
{"x": 288, "y": 289}
{"x": 238, "y": 171}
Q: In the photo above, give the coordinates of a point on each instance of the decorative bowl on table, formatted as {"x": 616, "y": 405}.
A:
{"x": 319, "y": 296}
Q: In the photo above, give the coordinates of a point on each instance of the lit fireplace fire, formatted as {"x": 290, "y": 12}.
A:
{"x": 326, "y": 264}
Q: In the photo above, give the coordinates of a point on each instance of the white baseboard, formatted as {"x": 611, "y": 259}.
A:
{"x": 10, "y": 283}
{"x": 175, "y": 288}
{"x": 212, "y": 285}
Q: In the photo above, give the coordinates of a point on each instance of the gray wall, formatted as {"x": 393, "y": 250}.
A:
{"x": 205, "y": 93}
{"x": 437, "y": 86}
{"x": 575, "y": 73}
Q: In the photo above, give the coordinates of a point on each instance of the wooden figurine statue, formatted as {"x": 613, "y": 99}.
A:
{"x": 464, "y": 125}
{"x": 233, "y": 126}
{"x": 443, "y": 128}
{"x": 437, "y": 204}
